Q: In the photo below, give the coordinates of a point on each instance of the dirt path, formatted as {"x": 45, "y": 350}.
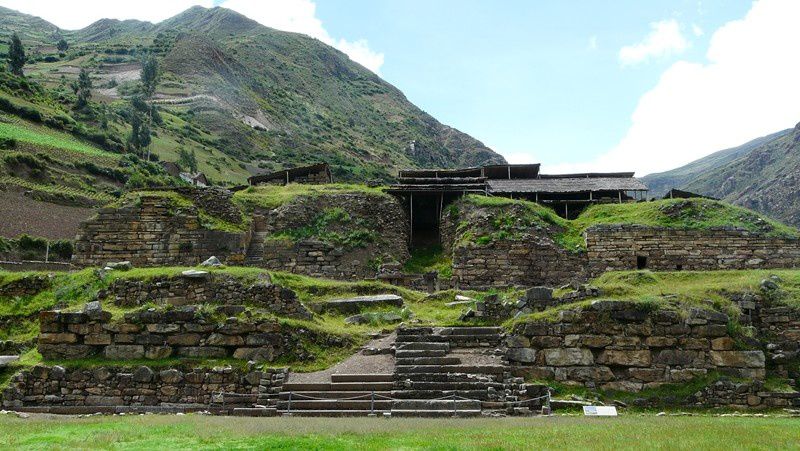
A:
{"x": 358, "y": 363}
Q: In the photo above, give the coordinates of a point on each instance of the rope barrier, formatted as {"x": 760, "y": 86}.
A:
{"x": 372, "y": 397}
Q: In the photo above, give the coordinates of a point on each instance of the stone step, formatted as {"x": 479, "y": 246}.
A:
{"x": 428, "y": 361}
{"x": 335, "y": 394}
{"x": 333, "y": 413}
{"x": 402, "y": 353}
{"x": 362, "y": 377}
{"x": 432, "y": 394}
{"x": 423, "y": 346}
{"x": 6, "y": 360}
{"x": 422, "y": 339}
{"x": 334, "y": 404}
{"x": 453, "y": 386}
{"x": 437, "y": 404}
{"x": 405, "y": 331}
{"x": 338, "y": 386}
{"x": 471, "y": 331}
{"x": 470, "y": 369}
{"x": 354, "y": 305}
{"x": 401, "y": 413}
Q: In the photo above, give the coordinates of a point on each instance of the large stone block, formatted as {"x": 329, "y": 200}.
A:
{"x": 638, "y": 358}
{"x": 57, "y": 338}
{"x": 738, "y": 359}
{"x": 596, "y": 373}
{"x": 568, "y": 357}
{"x": 124, "y": 352}
{"x": 523, "y": 355}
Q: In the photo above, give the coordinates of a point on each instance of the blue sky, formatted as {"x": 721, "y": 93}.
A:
{"x": 522, "y": 76}
{"x": 645, "y": 85}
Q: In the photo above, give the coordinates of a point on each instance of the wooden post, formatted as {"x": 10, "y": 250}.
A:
{"x": 509, "y": 172}
{"x": 620, "y": 196}
{"x": 287, "y": 177}
{"x": 410, "y": 217}
{"x": 566, "y": 210}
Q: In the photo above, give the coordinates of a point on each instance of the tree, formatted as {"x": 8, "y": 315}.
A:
{"x": 16, "y": 55}
{"x": 139, "y": 137}
{"x": 149, "y": 76}
{"x": 84, "y": 89}
{"x": 187, "y": 160}
{"x": 62, "y": 45}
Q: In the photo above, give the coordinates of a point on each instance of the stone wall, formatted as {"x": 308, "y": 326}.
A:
{"x": 625, "y": 346}
{"x": 378, "y": 216}
{"x": 625, "y": 247}
{"x": 154, "y": 232}
{"x": 26, "y": 286}
{"x": 210, "y": 288}
{"x": 109, "y": 387}
{"x": 524, "y": 254}
{"x": 186, "y": 331}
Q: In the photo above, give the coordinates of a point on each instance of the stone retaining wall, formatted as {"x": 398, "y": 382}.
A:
{"x": 182, "y": 332}
{"x": 625, "y": 247}
{"x": 154, "y": 233}
{"x": 220, "y": 289}
{"x": 625, "y": 346}
{"x": 379, "y": 218}
{"x": 318, "y": 259}
{"x": 25, "y": 286}
{"x": 143, "y": 386}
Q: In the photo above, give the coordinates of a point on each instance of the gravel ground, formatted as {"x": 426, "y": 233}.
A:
{"x": 355, "y": 364}
{"x": 20, "y": 214}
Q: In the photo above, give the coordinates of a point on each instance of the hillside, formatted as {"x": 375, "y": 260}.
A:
{"x": 247, "y": 98}
{"x": 660, "y": 183}
{"x": 762, "y": 175}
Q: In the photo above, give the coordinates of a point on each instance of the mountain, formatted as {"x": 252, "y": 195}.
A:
{"x": 247, "y": 98}
{"x": 763, "y": 175}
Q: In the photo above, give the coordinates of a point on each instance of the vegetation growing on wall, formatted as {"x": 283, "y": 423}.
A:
{"x": 510, "y": 219}
{"x": 269, "y": 197}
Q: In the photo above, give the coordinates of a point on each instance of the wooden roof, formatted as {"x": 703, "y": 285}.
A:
{"x": 566, "y": 185}
{"x": 291, "y": 173}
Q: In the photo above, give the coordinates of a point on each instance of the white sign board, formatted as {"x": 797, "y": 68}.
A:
{"x": 599, "y": 411}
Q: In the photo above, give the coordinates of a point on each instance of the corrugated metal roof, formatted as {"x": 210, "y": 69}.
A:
{"x": 566, "y": 185}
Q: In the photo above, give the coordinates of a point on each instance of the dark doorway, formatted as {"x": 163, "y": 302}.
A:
{"x": 641, "y": 262}
{"x": 425, "y": 220}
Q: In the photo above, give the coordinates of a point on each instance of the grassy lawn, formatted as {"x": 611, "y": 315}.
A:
{"x": 201, "y": 432}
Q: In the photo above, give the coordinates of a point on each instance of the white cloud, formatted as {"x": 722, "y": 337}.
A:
{"x": 73, "y": 15}
{"x": 300, "y": 16}
{"x": 592, "y": 43}
{"x": 696, "y": 30}
{"x": 289, "y": 15}
{"x": 665, "y": 39}
{"x": 746, "y": 88}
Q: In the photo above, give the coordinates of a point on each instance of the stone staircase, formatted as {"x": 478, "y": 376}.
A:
{"x": 344, "y": 395}
{"x": 451, "y": 371}
{"x": 255, "y": 250}
{"x": 438, "y": 372}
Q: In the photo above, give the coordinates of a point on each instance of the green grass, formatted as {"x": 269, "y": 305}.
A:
{"x": 56, "y": 190}
{"x": 430, "y": 258}
{"x": 178, "y": 201}
{"x": 634, "y": 432}
{"x": 691, "y": 214}
{"x": 696, "y": 286}
{"x": 270, "y": 197}
{"x": 48, "y": 138}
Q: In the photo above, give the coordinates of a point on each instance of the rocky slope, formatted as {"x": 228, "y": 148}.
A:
{"x": 763, "y": 175}
{"x": 250, "y": 98}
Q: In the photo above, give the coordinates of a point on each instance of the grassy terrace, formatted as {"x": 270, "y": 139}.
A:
{"x": 70, "y": 291}
{"x": 694, "y": 214}
{"x": 634, "y": 432}
{"x": 270, "y": 197}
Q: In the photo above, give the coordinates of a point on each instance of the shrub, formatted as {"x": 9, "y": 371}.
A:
{"x": 61, "y": 249}
{"x": 7, "y": 143}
